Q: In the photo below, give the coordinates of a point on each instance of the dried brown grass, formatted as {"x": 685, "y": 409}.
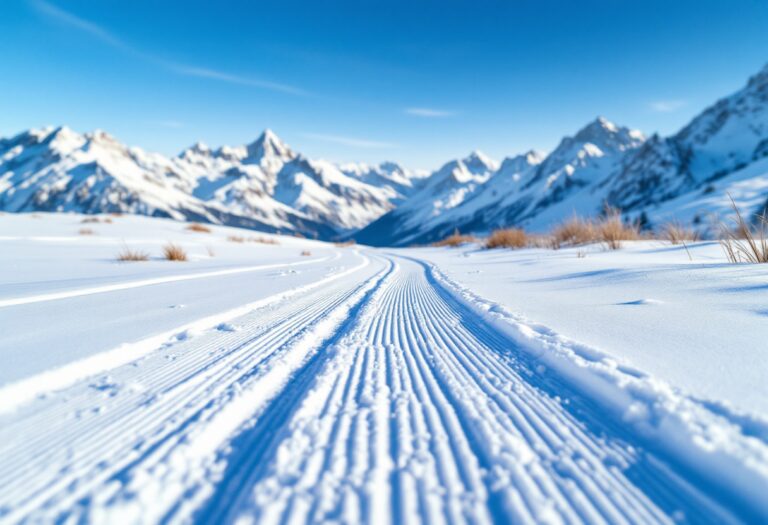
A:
{"x": 199, "y": 228}
{"x": 174, "y": 252}
{"x": 745, "y": 244}
{"x": 677, "y": 233}
{"x": 85, "y": 231}
{"x": 609, "y": 229}
{"x": 507, "y": 238}
{"x": 575, "y": 231}
{"x": 306, "y": 253}
{"x": 455, "y": 239}
{"x": 130, "y": 255}
{"x": 263, "y": 240}
{"x": 236, "y": 238}
{"x": 350, "y": 242}
{"x": 613, "y": 230}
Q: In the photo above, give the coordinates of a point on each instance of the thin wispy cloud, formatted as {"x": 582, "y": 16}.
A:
{"x": 429, "y": 112}
{"x": 202, "y": 72}
{"x": 666, "y": 106}
{"x": 65, "y": 17}
{"x": 350, "y": 141}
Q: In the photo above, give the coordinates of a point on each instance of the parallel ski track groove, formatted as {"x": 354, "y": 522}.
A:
{"x": 160, "y": 421}
{"x": 470, "y": 437}
{"x": 412, "y": 410}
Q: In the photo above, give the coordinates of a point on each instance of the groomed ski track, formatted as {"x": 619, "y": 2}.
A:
{"x": 374, "y": 396}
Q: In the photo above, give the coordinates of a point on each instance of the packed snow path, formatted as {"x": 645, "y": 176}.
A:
{"x": 372, "y": 396}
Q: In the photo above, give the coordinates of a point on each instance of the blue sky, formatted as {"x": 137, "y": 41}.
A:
{"x": 415, "y": 81}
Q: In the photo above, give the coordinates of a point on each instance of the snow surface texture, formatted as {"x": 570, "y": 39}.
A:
{"x": 350, "y": 385}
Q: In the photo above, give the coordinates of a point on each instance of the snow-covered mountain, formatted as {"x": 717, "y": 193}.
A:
{"x": 425, "y": 210}
{"x": 688, "y": 176}
{"x": 266, "y": 185}
{"x": 724, "y": 138}
{"x": 56, "y": 169}
{"x": 526, "y": 189}
{"x": 263, "y": 185}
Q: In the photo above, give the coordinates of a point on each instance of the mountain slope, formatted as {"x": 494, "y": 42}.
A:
{"x": 726, "y": 137}
{"x": 263, "y": 185}
{"x": 687, "y": 176}
{"x": 447, "y": 188}
{"x": 60, "y": 170}
{"x": 526, "y": 190}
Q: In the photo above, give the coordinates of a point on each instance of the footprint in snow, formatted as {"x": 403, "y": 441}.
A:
{"x": 106, "y": 385}
{"x": 640, "y": 302}
{"x": 226, "y": 327}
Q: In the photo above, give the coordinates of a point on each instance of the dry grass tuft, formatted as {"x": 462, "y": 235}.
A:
{"x": 744, "y": 244}
{"x": 86, "y": 231}
{"x": 236, "y": 238}
{"x": 306, "y": 253}
{"x": 173, "y": 252}
{"x": 677, "y": 233}
{"x": 350, "y": 242}
{"x": 129, "y": 255}
{"x": 197, "y": 227}
{"x": 455, "y": 239}
{"x": 574, "y": 231}
{"x": 507, "y": 238}
{"x": 263, "y": 240}
{"x": 612, "y": 230}
{"x": 90, "y": 220}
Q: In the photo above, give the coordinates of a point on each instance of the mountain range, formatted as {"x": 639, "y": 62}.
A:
{"x": 266, "y": 185}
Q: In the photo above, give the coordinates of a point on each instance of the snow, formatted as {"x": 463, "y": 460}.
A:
{"x": 258, "y": 384}
{"x": 53, "y": 276}
{"x": 694, "y": 324}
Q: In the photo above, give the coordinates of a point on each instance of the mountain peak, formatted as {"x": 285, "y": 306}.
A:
{"x": 268, "y": 145}
{"x": 59, "y": 138}
{"x": 201, "y": 148}
{"x": 477, "y": 162}
{"x": 534, "y": 156}
{"x": 52, "y": 133}
{"x": 604, "y": 134}
{"x": 520, "y": 163}
{"x": 598, "y": 128}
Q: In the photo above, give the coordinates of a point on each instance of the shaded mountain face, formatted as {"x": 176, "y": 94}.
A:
{"x": 263, "y": 185}
{"x": 724, "y": 138}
